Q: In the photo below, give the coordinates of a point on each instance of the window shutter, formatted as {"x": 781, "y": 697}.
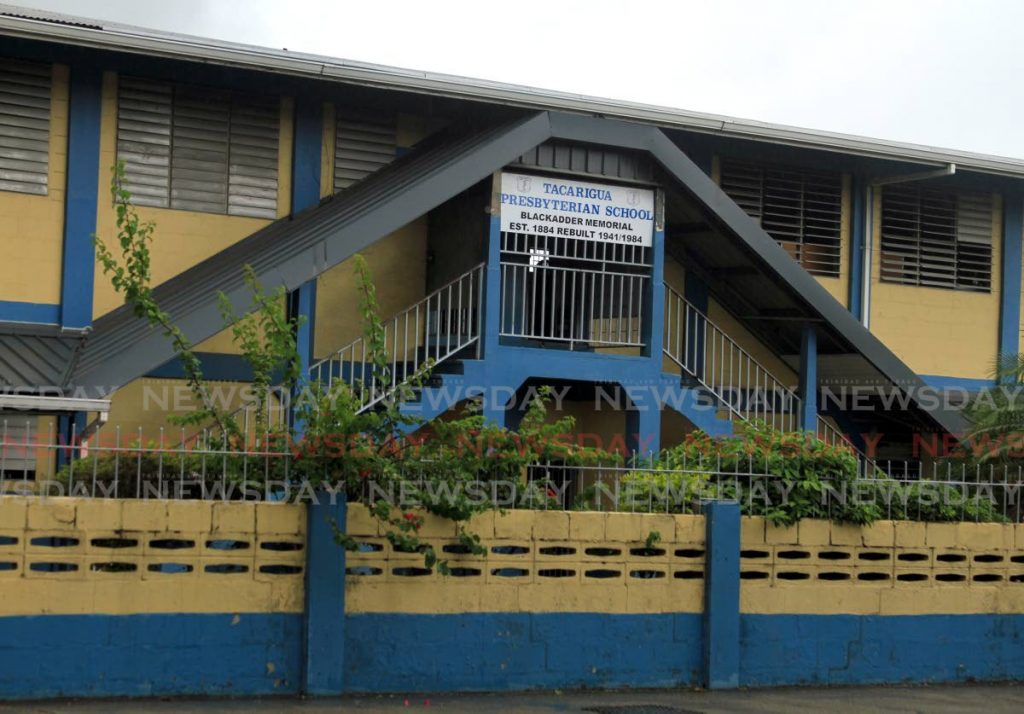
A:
{"x": 799, "y": 208}
{"x": 361, "y": 147}
{"x": 24, "y": 126}
{"x": 198, "y": 149}
{"x": 936, "y": 239}
{"x": 252, "y": 180}
{"x": 144, "y": 140}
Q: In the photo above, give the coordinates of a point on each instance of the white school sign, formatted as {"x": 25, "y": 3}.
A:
{"x": 548, "y": 206}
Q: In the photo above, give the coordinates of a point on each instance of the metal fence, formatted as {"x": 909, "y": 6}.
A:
{"x": 120, "y": 463}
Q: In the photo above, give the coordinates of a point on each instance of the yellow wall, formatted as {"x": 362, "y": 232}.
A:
{"x": 32, "y": 227}
{"x": 147, "y": 402}
{"x": 386, "y": 591}
{"x": 887, "y": 568}
{"x": 398, "y": 264}
{"x": 936, "y": 331}
{"x": 182, "y": 238}
{"x": 24, "y": 591}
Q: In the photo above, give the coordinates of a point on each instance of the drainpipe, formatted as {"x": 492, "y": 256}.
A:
{"x": 869, "y": 227}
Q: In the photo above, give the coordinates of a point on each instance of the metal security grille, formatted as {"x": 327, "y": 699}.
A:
{"x": 799, "y": 208}
{"x": 577, "y": 291}
{"x": 362, "y": 146}
{"x": 936, "y": 239}
{"x": 198, "y": 149}
{"x": 24, "y": 126}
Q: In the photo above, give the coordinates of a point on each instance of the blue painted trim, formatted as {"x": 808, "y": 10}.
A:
{"x": 858, "y": 232}
{"x": 225, "y": 654}
{"x": 722, "y": 595}
{"x": 1009, "y": 303}
{"x": 643, "y": 430}
{"x": 31, "y": 312}
{"x": 654, "y": 326}
{"x": 943, "y": 383}
{"x": 308, "y": 144}
{"x": 216, "y": 366}
{"x": 809, "y": 379}
{"x": 306, "y": 157}
{"x": 79, "y": 261}
{"x": 507, "y": 651}
{"x": 492, "y": 288}
{"x": 324, "y": 622}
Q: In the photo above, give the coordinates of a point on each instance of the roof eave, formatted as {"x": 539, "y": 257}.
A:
{"x": 124, "y": 39}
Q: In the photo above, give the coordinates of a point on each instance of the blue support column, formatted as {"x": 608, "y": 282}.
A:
{"x": 81, "y": 196}
{"x": 858, "y": 234}
{"x": 324, "y": 652}
{"x": 654, "y": 328}
{"x": 1009, "y": 307}
{"x": 722, "y": 595}
{"x": 305, "y": 194}
{"x": 809, "y": 379}
{"x": 492, "y": 286}
{"x": 643, "y": 428}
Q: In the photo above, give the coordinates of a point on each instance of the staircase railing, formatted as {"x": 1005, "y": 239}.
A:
{"x": 741, "y": 384}
{"x": 444, "y": 323}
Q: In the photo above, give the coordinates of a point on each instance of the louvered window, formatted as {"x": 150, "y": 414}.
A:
{"x": 802, "y": 209}
{"x": 24, "y": 126}
{"x": 936, "y": 239}
{"x": 198, "y": 149}
{"x": 362, "y": 145}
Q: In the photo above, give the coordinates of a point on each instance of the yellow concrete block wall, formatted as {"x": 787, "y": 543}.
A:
{"x": 181, "y": 238}
{"x": 108, "y": 556}
{"x": 536, "y": 561}
{"x": 886, "y": 568}
{"x": 935, "y": 331}
{"x": 32, "y": 227}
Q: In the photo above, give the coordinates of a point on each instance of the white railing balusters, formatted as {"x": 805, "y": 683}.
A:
{"x": 449, "y": 326}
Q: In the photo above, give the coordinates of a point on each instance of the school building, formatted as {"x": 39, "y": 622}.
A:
{"x": 677, "y": 261}
{"x": 662, "y": 270}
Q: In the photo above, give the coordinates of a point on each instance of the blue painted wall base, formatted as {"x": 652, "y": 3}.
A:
{"x": 517, "y": 651}
{"x": 149, "y": 655}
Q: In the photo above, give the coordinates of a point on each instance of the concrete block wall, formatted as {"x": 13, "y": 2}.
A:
{"x": 174, "y": 598}
{"x": 137, "y": 598}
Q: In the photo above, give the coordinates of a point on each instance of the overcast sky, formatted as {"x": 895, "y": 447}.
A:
{"x": 936, "y": 72}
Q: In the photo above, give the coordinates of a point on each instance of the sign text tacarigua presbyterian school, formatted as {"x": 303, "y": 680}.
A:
{"x": 548, "y": 206}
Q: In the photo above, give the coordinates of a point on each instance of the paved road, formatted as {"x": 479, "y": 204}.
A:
{"x": 837, "y": 700}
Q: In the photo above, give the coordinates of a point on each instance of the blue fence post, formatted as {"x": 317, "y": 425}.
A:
{"x": 324, "y": 655}
{"x": 722, "y": 595}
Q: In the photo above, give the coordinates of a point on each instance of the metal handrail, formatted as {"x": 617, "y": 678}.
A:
{"x": 742, "y": 384}
{"x": 705, "y": 352}
{"x": 442, "y": 324}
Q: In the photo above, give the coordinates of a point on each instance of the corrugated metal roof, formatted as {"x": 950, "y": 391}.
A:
{"x": 51, "y": 27}
{"x": 293, "y": 250}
